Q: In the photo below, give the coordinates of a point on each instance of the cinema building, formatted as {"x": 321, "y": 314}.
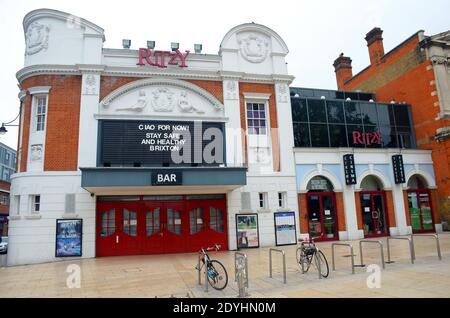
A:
{"x": 99, "y": 128}
{"x": 147, "y": 151}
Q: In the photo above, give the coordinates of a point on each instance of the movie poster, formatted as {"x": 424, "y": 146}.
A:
{"x": 247, "y": 230}
{"x": 285, "y": 231}
{"x": 68, "y": 237}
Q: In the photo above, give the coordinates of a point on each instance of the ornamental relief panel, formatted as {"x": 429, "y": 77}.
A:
{"x": 36, "y": 38}
{"x": 36, "y": 153}
{"x": 162, "y": 101}
{"x": 253, "y": 47}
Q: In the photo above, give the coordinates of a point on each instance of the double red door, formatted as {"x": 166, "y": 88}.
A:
{"x": 160, "y": 226}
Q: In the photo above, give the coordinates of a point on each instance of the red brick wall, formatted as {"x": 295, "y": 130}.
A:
{"x": 263, "y": 89}
{"x": 63, "y": 116}
{"x": 340, "y": 211}
{"x": 303, "y": 213}
{"x": 390, "y": 210}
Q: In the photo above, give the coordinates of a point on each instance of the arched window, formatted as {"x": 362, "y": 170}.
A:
{"x": 320, "y": 184}
{"x": 417, "y": 182}
{"x": 371, "y": 183}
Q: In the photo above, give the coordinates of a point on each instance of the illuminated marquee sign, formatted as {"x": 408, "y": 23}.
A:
{"x": 158, "y": 58}
{"x": 369, "y": 138}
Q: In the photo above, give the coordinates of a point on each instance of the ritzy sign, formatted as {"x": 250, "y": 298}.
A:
{"x": 162, "y": 58}
{"x": 369, "y": 138}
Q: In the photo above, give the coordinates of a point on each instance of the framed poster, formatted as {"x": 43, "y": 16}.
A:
{"x": 285, "y": 229}
{"x": 69, "y": 237}
{"x": 247, "y": 232}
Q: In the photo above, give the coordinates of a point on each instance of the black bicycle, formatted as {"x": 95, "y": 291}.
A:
{"x": 309, "y": 251}
{"x": 217, "y": 274}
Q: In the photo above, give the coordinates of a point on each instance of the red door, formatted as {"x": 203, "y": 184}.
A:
{"x": 153, "y": 235}
{"x": 374, "y": 213}
{"x": 117, "y": 225}
{"x": 175, "y": 227}
{"x": 207, "y": 224}
{"x": 322, "y": 216}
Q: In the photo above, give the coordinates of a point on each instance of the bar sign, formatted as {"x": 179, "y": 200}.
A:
{"x": 399, "y": 170}
{"x": 349, "y": 169}
{"x": 167, "y": 178}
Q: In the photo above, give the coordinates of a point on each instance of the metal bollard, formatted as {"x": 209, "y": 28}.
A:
{"x": 241, "y": 273}
{"x": 284, "y": 262}
{"x": 351, "y": 254}
{"x": 411, "y": 248}
{"x": 438, "y": 247}
{"x": 381, "y": 251}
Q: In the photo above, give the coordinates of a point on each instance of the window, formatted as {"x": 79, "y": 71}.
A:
{"x": 41, "y": 109}
{"x": 36, "y": 203}
{"x": 316, "y": 110}
{"x": 262, "y": 200}
{"x": 301, "y": 135}
{"x": 299, "y": 110}
{"x": 319, "y": 135}
{"x": 129, "y": 222}
{"x": 4, "y": 199}
{"x": 352, "y": 113}
{"x": 108, "y": 223}
{"x": 152, "y": 222}
{"x": 335, "y": 112}
{"x": 196, "y": 220}
{"x": 216, "y": 219}
{"x": 7, "y": 158}
{"x": 338, "y": 136}
{"x": 282, "y": 198}
{"x": 256, "y": 119}
{"x": 17, "y": 202}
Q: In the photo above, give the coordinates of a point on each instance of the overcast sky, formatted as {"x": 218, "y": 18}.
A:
{"x": 316, "y": 32}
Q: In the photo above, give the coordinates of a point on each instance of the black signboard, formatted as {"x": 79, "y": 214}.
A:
{"x": 156, "y": 143}
{"x": 167, "y": 178}
{"x": 349, "y": 169}
{"x": 399, "y": 169}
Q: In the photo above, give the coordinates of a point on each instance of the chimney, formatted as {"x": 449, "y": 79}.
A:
{"x": 343, "y": 69}
{"x": 375, "y": 45}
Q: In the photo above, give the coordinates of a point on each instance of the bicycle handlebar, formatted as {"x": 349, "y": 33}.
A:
{"x": 215, "y": 247}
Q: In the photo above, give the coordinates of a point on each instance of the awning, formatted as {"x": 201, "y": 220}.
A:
{"x": 150, "y": 180}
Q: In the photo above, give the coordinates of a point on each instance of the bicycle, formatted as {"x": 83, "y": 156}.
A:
{"x": 305, "y": 254}
{"x": 217, "y": 274}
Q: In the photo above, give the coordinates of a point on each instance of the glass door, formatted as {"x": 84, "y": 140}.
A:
{"x": 420, "y": 210}
{"x": 322, "y": 216}
{"x": 374, "y": 214}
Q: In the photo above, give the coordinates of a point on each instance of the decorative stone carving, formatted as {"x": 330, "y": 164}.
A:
{"x": 435, "y": 59}
{"x": 231, "y": 90}
{"x": 36, "y": 38}
{"x": 140, "y": 104}
{"x": 162, "y": 100}
{"x": 282, "y": 93}
{"x": 186, "y": 106}
{"x": 253, "y": 48}
{"x": 36, "y": 153}
{"x": 90, "y": 85}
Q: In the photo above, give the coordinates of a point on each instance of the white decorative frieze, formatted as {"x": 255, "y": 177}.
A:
{"x": 36, "y": 38}
{"x": 283, "y": 93}
{"x": 186, "y": 106}
{"x": 436, "y": 59}
{"x": 231, "y": 90}
{"x": 139, "y": 105}
{"x": 162, "y": 100}
{"x": 90, "y": 85}
{"x": 36, "y": 153}
{"x": 254, "y": 48}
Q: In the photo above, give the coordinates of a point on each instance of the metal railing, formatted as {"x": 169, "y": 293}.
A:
{"x": 436, "y": 237}
{"x": 373, "y": 242}
{"x": 351, "y": 254}
{"x": 411, "y": 247}
{"x": 284, "y": 262}
{"x": 241, "y": 273}
{"x": 199, "y": 269}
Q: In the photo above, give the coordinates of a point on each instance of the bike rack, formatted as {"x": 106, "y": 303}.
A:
{"x": 351, "y": 254}
{"x": 239, "y": 276}
{"x": 438, "y": 247}
{"x": 284, "y": 262}
{"x": 411, "y": 248}
{"x": 199, "y": 272}
{"x": 361, "y": 252}
{"x": 318, "y": 263}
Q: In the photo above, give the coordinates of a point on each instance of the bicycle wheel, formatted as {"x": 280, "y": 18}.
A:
{"x": 320, "y": 257}
{"x": 217, "y": 275}
{"x": 303, "y": 260}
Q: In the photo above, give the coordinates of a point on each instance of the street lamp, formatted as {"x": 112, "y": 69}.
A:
{"x": 3, "y": 129}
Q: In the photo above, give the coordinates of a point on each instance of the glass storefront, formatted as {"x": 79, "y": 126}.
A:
{"x": 419, "y": 205}
{"x": 322, "y": 122}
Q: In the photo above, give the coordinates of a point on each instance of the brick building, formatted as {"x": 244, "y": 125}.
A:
{"x": 7, "y": 168}
{"x": 415, "y": 72}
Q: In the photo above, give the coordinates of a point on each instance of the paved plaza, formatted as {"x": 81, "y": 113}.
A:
{"x": 174, "y": 275}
